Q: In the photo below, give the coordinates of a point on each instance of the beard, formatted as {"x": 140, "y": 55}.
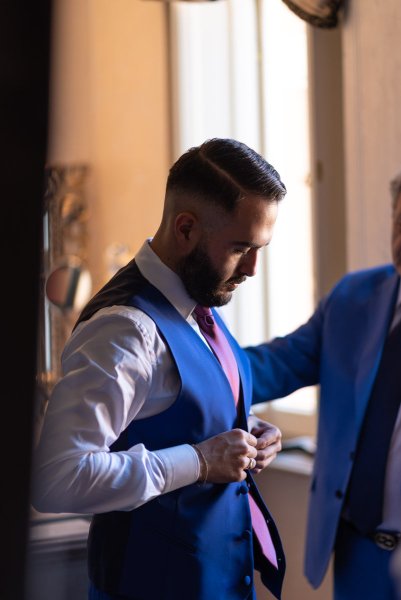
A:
{"x": 202, "y": 280}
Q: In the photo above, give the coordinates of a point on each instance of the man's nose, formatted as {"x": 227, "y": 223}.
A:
{"x": 248, "y": 265}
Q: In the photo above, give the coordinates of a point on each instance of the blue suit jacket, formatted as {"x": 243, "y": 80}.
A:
{"x": 340, "y": 349}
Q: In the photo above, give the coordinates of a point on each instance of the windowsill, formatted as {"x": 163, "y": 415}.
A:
{"x": 49, "y": 529}
{"x": 293, "y": 461}
{"x": 291, "y": 424}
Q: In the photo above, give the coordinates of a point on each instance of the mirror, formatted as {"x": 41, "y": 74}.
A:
{"x": 69, "y": 285}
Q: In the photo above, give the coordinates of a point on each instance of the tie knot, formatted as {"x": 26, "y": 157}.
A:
{"x": 204, "y": 316}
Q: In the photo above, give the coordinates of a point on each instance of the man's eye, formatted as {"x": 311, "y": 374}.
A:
{"x": 240, "y": 250}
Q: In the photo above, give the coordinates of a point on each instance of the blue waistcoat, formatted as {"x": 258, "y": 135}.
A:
{"x": 194, "y": 543}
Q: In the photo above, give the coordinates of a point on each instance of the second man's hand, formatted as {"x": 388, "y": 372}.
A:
{"x": 228, "y": 455}
{"x": 268, "y": 442}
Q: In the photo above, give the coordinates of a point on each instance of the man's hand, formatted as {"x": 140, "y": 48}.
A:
{"x": 227, "y": 455}
{"x": 268, "y": 442}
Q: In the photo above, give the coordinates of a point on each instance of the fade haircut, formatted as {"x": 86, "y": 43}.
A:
{"x": 221, "y": 172}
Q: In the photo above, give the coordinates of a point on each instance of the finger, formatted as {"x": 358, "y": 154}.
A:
{"x": 252, "y": 440}
{"x": 268, "y": 438}
{"x": 252, "y": 464}
{"x": 269, "y": 460}
{"x": 249, "y": 464}
{"x": 265, "y": 453}
{"x": 251, "y": 452}
{"x": 263, "y": 458}
{"x": 242, "y": 475}
{"x": 246, "y": 462}
{"x": 262, "y": 464}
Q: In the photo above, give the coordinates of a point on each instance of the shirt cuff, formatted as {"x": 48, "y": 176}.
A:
{"x": 181, "y": 464}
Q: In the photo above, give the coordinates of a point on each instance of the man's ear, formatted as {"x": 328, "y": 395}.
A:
{"x": 186, "y": 230}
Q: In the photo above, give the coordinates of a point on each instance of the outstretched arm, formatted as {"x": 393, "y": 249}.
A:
{"x": 287, "y": 363}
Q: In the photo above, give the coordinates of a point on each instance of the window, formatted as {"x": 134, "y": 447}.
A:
{"x": 240, "y": 69}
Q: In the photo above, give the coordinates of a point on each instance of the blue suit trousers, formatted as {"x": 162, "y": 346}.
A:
{"x": 361, "y": 569}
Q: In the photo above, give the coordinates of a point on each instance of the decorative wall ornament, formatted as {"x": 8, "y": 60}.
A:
{"x": 65, "y": 279}
{"x": 319, "y": 13}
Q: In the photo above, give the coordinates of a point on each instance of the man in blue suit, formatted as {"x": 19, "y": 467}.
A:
{"x": 351, "y": 346}
{"x": 148, "y": 428}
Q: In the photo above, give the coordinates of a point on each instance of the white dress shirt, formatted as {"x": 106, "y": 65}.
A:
{"x": 116, "y": 368}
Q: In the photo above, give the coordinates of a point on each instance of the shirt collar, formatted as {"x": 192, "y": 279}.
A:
{"x": 164, "y": 279}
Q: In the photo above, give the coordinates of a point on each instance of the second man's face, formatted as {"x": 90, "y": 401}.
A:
{"x": 228, "y": 255}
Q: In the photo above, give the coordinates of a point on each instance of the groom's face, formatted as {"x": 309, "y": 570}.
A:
{"x": 222, "y": 260}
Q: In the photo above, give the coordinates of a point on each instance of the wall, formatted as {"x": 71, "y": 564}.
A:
{"x": 110, "y": 109}
{"x": 372, "y": 99}
{"x": 327, "y": 140}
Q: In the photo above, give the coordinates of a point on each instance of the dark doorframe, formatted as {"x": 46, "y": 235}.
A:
{"x": 24, "y": 82}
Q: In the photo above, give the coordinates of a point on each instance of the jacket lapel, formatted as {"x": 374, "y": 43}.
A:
{"x": 379, "y": 314}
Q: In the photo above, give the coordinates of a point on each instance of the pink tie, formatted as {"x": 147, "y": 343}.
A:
{"x": 222, "y": 349}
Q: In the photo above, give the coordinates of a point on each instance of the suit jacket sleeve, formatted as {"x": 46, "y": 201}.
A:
{"x": 288, "y": 363}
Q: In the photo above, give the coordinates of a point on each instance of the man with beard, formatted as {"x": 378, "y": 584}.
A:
{"x": 351, "y": 346}
{"x": 148, "y": 428}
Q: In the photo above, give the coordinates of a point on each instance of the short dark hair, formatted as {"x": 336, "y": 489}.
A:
{"x": 222, "y": 171}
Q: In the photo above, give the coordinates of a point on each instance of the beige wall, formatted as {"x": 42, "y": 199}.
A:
{"x": 109, "y": 108}
{"x": 327, "y": 141}
{"x": 372, "y": 101}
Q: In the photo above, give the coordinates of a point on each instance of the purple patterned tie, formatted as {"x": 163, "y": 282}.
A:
{"x": 220, "y": 346}
{"x": 222, "y": 349}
